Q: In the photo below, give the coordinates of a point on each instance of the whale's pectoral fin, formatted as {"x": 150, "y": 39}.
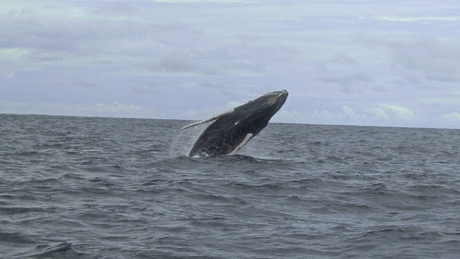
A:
{"x": 246, "y": 139}
{"x": 208, "y": 120}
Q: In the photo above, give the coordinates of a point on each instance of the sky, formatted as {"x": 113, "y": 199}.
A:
{"x": 344, "y": 62}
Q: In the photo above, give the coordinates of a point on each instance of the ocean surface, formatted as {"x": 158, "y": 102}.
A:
{"x": 74, "y": 187}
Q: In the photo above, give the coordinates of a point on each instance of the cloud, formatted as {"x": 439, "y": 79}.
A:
{"x": 343, "y": 59}
{"x": 71, "y": 37}
{"x": 394, "y": 114}
{"x": 97, "y": 110}
{"x": 117, "y": 8}
{"x": 187, "y": 58}
{"x": 349, "y": 111}
{"x": 427, "y": 59}
{"x": 191, "y": 114}
{"x": 178, "y": 63}
{"x": 417, "y": 57}
{"x": 441, "y": 102}
{"x": 153, "y": 45}
{"x": 419, "y": 18}
{"x": 205, "y": 1}
{"x": 349, "y": 82}
{"x": 402, "y": 111}
{"x": 453, "y": 116}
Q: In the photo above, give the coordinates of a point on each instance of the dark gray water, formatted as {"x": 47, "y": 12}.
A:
{"x": 123, "y": 188}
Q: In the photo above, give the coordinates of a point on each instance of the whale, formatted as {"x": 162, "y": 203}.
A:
{"x": 234, "y": 128}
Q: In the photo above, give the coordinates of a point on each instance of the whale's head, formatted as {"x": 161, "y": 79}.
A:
{"x": 264, "y": 107}
{"x": 275, "y": 99}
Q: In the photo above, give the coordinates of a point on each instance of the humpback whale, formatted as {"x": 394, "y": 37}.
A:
{"x": 233, "y": 129}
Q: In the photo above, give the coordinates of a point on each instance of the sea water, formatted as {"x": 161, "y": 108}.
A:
{"x": 73, "y": 187}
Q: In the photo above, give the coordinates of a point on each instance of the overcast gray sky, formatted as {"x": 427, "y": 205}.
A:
{"x": 355, "y": 62}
